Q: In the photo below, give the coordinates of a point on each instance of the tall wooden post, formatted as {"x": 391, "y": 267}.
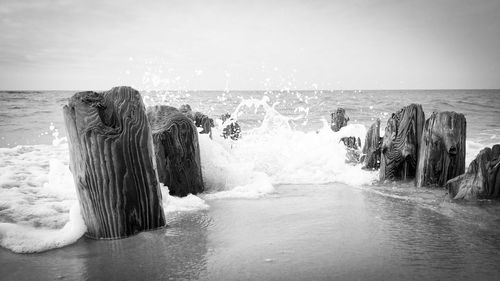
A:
{"x": 177, "y": 150}
{"x": 371, "y": 148}
{"x": 442, "y": 153}
{"x": 401, "y": 143}
{"x": 111, "y": 158}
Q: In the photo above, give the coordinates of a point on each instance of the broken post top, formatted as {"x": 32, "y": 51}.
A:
{"x": 338, "y": 119}
{"x": 98, "y": 111}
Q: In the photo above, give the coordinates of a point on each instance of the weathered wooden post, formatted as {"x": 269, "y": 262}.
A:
{"x": 352, "y": 145}
{"x": 401, "y": 143}
{"x": 482, "y": 179}
{"x": 371, "y": 148}
{"x": 339, "y": 119}
{"x": 200, "y": 120}
{"x": 442, "y": 151}
{"x": 177, "y": 150}
{"x": 111, "y": 158}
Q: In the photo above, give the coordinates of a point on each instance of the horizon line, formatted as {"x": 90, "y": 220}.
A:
{"x": 258, "y": 90}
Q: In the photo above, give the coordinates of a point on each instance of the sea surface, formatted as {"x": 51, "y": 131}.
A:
{"x": 281, "y": 203}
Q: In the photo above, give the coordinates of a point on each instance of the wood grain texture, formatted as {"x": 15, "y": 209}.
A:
{"x": 482, "y": 179}
{"x": 442, "y": 150}
{"x": 111, "y": 158}
{"x": 177, "y": 150}
{"x": 338, "y": 119}
{"x": 371, "y": 149}
{"x": 401, "y": 144}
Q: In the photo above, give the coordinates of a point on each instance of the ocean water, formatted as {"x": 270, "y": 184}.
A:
{"x": 281, "y": 203}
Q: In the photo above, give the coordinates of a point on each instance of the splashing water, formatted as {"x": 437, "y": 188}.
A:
{"x": 38, "y": 202}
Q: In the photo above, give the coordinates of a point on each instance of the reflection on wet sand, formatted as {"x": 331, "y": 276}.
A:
{"x": 173, "y": 253}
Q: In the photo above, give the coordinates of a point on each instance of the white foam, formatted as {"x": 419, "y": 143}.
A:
{"x": 28, "y": 239}
{"x": 224, "y": 174}
{"x": 285, "y": 155}
{"x": 181, "y": 204}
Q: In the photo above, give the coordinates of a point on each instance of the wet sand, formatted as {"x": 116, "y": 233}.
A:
{"x": 327, "y": 232}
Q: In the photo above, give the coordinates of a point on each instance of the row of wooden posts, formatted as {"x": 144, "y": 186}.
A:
{"x": 120, "y": 152}
{"x": 431, "y": 152}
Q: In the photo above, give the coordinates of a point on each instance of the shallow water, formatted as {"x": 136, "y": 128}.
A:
{"x": 301, "y": 232}
{"x": 280, "y": 203}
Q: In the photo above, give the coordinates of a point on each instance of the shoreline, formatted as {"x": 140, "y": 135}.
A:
{"x": 300, "y": 232}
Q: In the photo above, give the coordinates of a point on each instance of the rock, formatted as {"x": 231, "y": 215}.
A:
{"x": 401, "y": 144}
{"x": 442, "y": 151}
{"x": 339, "y": 120}
{"x": 232, "y": 130}
{"x": 177, "y": 150}
{"x": 112, "y": 162}
{"x": 371, "y": 149}
{"x": 482, "y": 179}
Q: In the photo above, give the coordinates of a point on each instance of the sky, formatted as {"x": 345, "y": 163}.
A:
{"x": 249, "y": 45}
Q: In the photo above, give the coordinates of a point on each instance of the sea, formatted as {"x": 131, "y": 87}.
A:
{"x": 281, "y": 202}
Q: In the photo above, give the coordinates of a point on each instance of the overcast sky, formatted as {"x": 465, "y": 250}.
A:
{"x": 389, "y": 44}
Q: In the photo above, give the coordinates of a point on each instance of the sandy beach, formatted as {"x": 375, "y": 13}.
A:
{"x": 301, "y": 232}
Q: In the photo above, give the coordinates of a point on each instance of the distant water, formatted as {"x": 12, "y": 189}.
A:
{"x": 281, "y": 203}
{"x": 26, "y": 116}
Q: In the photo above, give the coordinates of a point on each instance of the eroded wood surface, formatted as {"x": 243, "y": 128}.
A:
{"x": 200, "y": 120}
{"x": 401, "y": 144}
{"x": 338, "y": 119}
{"x": 442, "y": 151}
{"x": 177, "y": 151}
{"x": 371, "y": 149}
{"x": 482, "y": 178}
{"x": 111, "y": 158}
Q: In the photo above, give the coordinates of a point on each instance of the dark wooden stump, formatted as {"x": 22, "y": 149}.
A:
{"x": 232, "y": 130}
{"x": 442, "y": 151}
{"x": 371, "y": 149}
{"x": 339, "y": 119}
{"x": 482, "y": 179}
{"x": 177, "y": 150}
{"x": 401, "y": 144}
{"x": 200, "y": 120}
{"x": 111, "y": 158}
{"x": 352, "y": 145}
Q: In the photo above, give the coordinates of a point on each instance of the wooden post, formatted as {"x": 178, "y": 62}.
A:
{"x": 177, "y": 150}
{"x": 482, "y": 179}
{"x": 200, "y": 120}
{"x": 401, "y": 143}
{"x": 339, "y": 119}
{"x": 442, "y": 152}
{"x": 111, "y": 158}
{"x": 371, "y": 148}
{"x": 352, "y": 145}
